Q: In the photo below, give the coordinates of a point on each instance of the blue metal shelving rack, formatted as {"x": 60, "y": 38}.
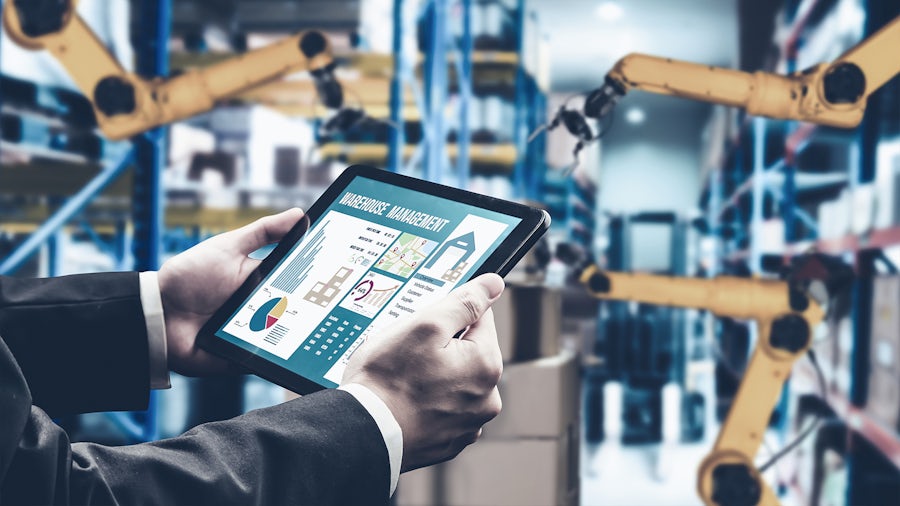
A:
{"x": 860, "y": 170}
{"x": 397, "y": 137}
{"x": 147, "y": 155}
{"x": 529, "y": 99}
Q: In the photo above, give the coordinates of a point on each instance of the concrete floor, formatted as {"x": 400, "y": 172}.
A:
{"x": 615, "y": 475}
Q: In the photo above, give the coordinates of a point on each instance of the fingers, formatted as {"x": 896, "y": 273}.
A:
{"x": 267, "y": 230}
{"x": 466, "y": 304}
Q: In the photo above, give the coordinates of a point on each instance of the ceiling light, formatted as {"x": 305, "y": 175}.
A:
{"x": 609, "y": 11}
{"x": 635, "y": 116}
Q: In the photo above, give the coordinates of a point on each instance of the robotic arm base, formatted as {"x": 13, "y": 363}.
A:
{"x": 727, "y": 478}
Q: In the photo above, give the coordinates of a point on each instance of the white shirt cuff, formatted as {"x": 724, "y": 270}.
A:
{"x": 151, "y": 300}
{"x": 390, "y": 429}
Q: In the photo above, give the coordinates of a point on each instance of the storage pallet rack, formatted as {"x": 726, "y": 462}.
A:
{"x": 444, "y": 65}
{"x": 739, "y": 194}
{"x": 404, "y": 88}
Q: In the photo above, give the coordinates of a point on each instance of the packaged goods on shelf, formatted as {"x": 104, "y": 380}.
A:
{"x": 826, "y": 348}
{"x": 835, "y": 216}
{"x": 260, "y": 134}
{"x": 887, "y": 184}
{"x": 863, "y": 212}
{"x": 771, "y": 239}
{"x": 843, "y": 364}
{"x": 184, "y": 141}
{"x": 884, "y": 363}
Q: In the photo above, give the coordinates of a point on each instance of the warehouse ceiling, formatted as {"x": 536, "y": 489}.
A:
{"x": 586, "y": 37}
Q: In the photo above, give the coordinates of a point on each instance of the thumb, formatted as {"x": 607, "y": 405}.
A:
{"x": 466, "y": 304}
{"x": 267, "y": 230}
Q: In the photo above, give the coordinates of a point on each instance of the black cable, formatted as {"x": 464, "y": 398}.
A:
{"x": 812, "y": 426}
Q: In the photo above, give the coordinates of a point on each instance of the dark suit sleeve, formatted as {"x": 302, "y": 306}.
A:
{"x": 80, "y": 341}
{"x": 320, "y": 449}
{"x": 79, "y": 344}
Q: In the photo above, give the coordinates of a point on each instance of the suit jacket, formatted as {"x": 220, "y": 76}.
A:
{"x": 78, "y": 343}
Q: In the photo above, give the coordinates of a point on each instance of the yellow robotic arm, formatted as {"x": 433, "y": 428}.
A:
{"x": 829, "y": 94}
{"x": 786, "y": 317}
{"x": 126, "y": 104}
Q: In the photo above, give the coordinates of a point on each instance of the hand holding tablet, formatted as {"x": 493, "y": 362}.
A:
{"x": 373, "y": 250}
{"x": 439, "y": 389}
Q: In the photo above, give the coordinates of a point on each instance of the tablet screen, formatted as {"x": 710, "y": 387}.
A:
{"x": 378, "y": 253}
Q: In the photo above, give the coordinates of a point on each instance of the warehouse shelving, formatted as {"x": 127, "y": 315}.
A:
{"x": 146, "y": 156}
{"x": 851, "y": 243}
{"x": 740, "y": 201}
{"x": 885, "y": 439}
{"x": 368, "y": 84}
{"x": 571, "y": 202}
{"x": 496, "y": 155}
{"x": 445, "y": 69}
{"x": 103, "y": 218}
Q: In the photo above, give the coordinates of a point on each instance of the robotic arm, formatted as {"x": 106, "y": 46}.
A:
{"x": 828, "y": 94}
{"x": 126, "y": 104}
{"x": 785, "y": 318}
{"x": 786, "y": 314}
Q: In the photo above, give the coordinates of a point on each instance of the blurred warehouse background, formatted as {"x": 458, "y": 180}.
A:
{"x": 605, "y": 403}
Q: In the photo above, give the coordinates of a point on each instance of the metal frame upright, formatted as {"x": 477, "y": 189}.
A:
{"x": 523, "y": 105}
{"x": 464, "y": 80}
{"x": 150, "y": 159}
{"x": 148, "y": 154}
{"x": 435, "y": 78}
{"x": 396, "y": 136}
{"x": 878, "y": 13}
{"x": 150, "y": 147}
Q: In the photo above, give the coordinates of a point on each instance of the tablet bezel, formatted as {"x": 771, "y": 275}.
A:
{"x": 534, "y": 223}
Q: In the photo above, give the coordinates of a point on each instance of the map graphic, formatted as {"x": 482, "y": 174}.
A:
{"x": 406, "y": 255}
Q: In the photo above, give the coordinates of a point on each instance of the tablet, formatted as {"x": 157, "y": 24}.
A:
{"x": 375, "y": 248}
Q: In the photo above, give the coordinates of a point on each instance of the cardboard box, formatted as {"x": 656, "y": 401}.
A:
{"x": 528, "y": 320}
{"x": 540, "y": 399}
{"x": 525, "y": 427}
{"x": 418, "y": 488}
{"x": 526, "y": 472}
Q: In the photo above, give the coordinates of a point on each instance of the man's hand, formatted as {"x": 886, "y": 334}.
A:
{"x": 441, "y": 390}
{"x": 196, "y": 282}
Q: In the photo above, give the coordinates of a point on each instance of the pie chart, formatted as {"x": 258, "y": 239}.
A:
{"x": 268, "y": 314}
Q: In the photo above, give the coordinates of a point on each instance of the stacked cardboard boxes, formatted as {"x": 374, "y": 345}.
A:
{"x": 528, "y": 320}
{"x": 529, "y": 454}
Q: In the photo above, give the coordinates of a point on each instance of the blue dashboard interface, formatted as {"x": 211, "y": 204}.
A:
{"x": 377, "y": 254}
